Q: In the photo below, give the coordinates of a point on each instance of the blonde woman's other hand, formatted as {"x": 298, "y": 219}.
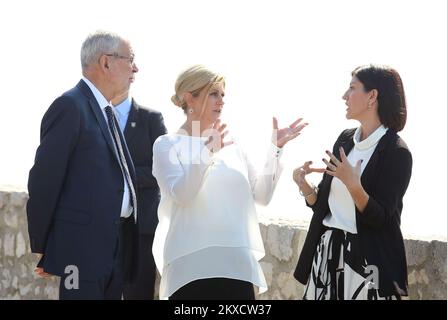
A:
{"x": 216, "y": 140}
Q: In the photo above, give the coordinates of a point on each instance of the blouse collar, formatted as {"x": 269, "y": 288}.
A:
{"x": 371, "y": 141}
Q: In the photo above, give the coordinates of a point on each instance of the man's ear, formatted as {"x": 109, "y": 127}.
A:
{"x": 104, "y": 62}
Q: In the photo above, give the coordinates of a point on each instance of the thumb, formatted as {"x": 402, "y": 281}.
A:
{"x": 275, "y": 123}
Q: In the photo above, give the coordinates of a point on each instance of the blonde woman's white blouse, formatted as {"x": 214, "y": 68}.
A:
{"x": 208, "y": 226}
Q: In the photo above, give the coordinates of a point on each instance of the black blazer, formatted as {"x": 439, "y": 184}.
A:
{"x": 385, "y": 179}
{"x": 143, "y": 127}
{"x": 75, "y": 188}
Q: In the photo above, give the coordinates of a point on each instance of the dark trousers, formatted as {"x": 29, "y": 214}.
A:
{"x": 142, "y": 286}
{"x": 215, "y": 289}
{"x": 110, "y": 286}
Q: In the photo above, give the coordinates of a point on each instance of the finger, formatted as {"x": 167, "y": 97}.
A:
{"x": 299, "y": 128}
{"x": 275, "y": 124}
{"x": 331, "y": 173}
{"x": 342, "y": 154}
{"x": 292, "y": 136}
{"x": 329, "y": 165}
{"x": 210, "y": 140}
{"x": 319, "y": 170}
{"x": 302, "y": 126}
{"x": 333, "y": 158}
{"x": 296, "y": 122}
{"x": 222, "y": 128}
{"x": 307, "y": 164}
{"x": 41, "y": 273}
{"x": 227, "y": 143}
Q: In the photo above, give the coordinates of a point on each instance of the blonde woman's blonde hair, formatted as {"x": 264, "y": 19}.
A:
{"x": 194, "y": 80}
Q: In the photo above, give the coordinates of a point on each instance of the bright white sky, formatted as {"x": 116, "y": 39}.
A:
{"x": 283, "y": 58}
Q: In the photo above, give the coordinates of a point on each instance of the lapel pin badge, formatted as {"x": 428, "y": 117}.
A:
{"x": 133, "y": 124}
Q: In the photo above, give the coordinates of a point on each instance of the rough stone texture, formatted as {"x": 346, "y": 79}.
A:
{"x": 17, "y": 279}
{"x": 426, "y": 260}
{"x": 283, "y": 240}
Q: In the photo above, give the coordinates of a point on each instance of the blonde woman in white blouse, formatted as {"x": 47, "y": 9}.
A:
{"x": 208, "y": 244}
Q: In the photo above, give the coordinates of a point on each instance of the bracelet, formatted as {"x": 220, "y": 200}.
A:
{"x": 314, "y": 190}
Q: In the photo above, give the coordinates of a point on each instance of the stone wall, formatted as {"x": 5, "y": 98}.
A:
{"x": 283, "y": 239}
{"x": 427, "y": 261}
{"x": 17, "y": 263}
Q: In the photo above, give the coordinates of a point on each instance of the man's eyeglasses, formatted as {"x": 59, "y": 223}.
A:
{"x": 116, "y": 55}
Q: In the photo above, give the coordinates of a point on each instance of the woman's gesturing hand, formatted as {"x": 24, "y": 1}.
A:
{"x": 342, "y": 169}
{"x": 299, "y": 174}
{"x": 216, "y": 139}
{"x": 281, "y": 136}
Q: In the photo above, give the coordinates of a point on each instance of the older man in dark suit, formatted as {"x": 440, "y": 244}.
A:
{"x": 142, "y": 126}
{"x": 82, "y": 188}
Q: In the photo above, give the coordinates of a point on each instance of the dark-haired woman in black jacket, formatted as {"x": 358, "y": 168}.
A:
{"x": 354, "y": 248}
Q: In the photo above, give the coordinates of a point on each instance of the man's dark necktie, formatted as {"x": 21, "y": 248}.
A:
{"x": 117, "y": 138}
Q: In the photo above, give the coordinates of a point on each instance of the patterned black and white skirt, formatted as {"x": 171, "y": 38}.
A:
{"x": 340, "y": 270}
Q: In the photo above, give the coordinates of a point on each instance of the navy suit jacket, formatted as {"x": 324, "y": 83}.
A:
{"x": 143, "y": 127}
{"x": 75, "y": 188}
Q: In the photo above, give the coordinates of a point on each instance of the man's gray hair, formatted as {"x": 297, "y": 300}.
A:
{"x": 98, "y": 43}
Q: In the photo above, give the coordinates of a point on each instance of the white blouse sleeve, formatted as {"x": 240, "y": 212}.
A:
{"x": 181, "y": 181}
{"x": 263, "y": 183}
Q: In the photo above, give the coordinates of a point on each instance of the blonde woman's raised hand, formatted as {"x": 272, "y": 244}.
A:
{"x": 281, "y": 136}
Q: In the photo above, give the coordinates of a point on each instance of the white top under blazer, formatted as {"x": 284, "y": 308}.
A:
{"x": 208, "y": 226}
{"x": 341, "y": 204}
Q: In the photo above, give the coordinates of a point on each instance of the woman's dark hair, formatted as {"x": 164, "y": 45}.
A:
{"x": 391, "y": 96}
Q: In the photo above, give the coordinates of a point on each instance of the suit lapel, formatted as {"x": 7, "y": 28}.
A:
{"x": 105, "y": 129}
{"x": 99, "y": 116}
{"x": 132, "y": 122}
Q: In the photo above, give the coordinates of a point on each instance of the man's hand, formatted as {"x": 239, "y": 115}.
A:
{"x": 39, "y": 271}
